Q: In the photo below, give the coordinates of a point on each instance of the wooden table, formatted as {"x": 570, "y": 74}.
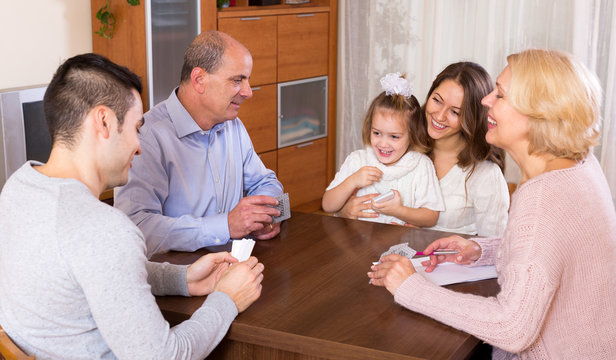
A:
{"x": 316, "y": 302}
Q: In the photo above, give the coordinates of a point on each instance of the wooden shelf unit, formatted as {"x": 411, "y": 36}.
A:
{"x": 292, "y": 42}
{"x": 285, "y": 47}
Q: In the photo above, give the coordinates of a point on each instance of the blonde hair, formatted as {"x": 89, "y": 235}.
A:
{"x": 561, "y": 98}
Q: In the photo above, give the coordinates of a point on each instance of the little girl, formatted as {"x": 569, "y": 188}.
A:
{"x": 389, "y": 162}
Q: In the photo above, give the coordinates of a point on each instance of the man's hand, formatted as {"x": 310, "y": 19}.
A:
{"x": 356, "y": 205}
{"x": 268, "y": 231}
{"x": 242, "y": 282}
{"x": 253, "y": 214}
{"x": 203, "y": 275}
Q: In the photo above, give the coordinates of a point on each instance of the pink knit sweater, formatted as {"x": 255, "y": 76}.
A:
{"x": 556, "y": 268}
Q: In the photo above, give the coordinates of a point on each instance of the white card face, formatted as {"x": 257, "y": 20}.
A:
{"x": 241, "y": 249}
{"x": 386, "y": 196}
{"x": 283, "y": 207}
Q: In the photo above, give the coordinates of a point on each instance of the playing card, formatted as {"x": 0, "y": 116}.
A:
{"x": 401, "y": 249}
{"x": 283, "y": 207}
{"x": 241, "y": 249}
{"x": 384, "y": 196}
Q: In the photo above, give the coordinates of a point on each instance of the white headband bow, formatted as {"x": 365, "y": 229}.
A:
{"x": 394, "y": 84}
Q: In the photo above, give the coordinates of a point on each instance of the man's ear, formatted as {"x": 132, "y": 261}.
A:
{"x": 198, "y": 79}
{"x": 102, "y": 116}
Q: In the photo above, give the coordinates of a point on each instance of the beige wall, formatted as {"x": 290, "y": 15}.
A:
{"x": 37, "y": 35}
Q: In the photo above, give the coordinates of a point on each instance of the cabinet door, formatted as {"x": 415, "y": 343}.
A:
{"x": 174, "y": 25}
{"x": 259, "y": 117}
{"x": 302, "y": 46}
{"x": 302, "y": 171}
{"x": 258, "y": 34}
{"x": 270, "y": 160}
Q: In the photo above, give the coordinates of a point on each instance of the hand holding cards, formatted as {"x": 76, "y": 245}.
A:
{"x": 384, "y": 196}
{"x": 401, "y": 249}
{"x": 283, "y": 207}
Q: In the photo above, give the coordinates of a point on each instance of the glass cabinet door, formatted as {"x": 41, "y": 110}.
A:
{"x": 302, "y": 110}
{"x": 171, "y": 26}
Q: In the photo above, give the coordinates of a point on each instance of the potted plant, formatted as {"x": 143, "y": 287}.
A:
{"x": 107, "y": 19}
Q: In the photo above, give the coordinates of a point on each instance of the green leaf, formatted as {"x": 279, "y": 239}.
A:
{"x": 133, "y": 2}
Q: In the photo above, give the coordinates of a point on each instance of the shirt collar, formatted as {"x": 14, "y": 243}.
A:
{"x": 183, "y": 123}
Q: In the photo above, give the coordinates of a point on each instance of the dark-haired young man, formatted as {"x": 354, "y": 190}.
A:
{"x": 74, "y": 279}
{"x": 199, "y": 181}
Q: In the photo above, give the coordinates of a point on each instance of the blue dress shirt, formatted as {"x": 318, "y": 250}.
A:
{"x": 186, "y": 180}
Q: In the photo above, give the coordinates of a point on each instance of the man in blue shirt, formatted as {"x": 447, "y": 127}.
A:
{"x": 198, "y": 181}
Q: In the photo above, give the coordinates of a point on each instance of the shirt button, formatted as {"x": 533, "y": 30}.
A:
{"x": 216, "y": 179}
{"x": 217, "y": 241}
{"x": 219, "y": 211}
{"x": 203, "y": 133}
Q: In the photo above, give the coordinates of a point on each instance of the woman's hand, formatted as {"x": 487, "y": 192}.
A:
{"x": 365, "y": 176}
{"x": 391, "y": 272}
{"x": 203, "y": 275}
{"x": 355, "y": 207}
{"x": 468, "y": 251}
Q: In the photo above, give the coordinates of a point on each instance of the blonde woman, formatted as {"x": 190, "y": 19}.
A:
{"x": 556, "y": 262}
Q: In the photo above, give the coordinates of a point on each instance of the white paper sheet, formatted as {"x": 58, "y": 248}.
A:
{"x": 450, "y": 273}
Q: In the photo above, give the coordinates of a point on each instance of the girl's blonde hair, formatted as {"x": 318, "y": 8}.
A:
{"x": 561, "y": 98}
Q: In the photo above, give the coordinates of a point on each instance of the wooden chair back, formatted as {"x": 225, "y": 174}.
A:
{"x": 10, "y": 351}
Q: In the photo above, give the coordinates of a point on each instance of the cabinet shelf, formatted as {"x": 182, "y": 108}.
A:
{"x": 237, "y": 11}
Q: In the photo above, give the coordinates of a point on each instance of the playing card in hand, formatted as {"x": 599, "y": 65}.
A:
{"x": 401, "y": 249}
{"x": 241, "y": 249}
{"x": 283, "y": 207}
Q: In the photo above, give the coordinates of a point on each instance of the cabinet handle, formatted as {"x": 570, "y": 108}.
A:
{"x": 305, "y": 144}
{"x": 250, "y": 18}
{"x": 255, "y": 88}
{"x": 305, "y": 15}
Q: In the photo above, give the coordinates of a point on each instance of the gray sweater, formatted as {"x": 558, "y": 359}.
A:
{"x": 75, "y": 282}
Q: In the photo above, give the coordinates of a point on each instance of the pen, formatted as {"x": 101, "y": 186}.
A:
{"x": 441, "y": 252}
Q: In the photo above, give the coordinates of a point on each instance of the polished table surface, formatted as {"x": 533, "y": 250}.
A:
{"x": 316, "y": 302}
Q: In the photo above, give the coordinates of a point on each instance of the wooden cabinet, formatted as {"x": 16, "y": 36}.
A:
{"x": 258, "y": 34}
{"x": 288, "y": 43}
{"x": 128, "y": 46}
{"x": 259, "y": 117}
{"x": 301, "y": 171}
{"x": 302, "y": 46}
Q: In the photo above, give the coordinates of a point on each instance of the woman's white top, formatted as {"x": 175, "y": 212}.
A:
{"x": 413, "y": 176}
{"x": 480, "y": 209}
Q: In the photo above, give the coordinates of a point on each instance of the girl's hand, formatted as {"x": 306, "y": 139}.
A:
{"x": 365, "y": 176}
{"x": 468, "y": 251}
{"x": 388, "y": 207}
{"x": 356, "y": 206}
